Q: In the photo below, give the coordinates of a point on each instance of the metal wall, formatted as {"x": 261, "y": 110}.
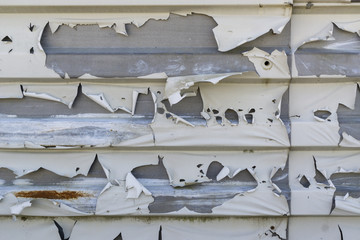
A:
{"x": 219, "y": 120}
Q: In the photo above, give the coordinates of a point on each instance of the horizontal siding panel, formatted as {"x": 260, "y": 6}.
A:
{"x": 233, "y": 120}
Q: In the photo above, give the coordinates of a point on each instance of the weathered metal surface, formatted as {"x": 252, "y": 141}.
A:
{"x": 247, "y": 109}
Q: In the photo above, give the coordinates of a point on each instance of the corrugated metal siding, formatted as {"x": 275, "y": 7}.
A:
{"x": 219, "y": 120}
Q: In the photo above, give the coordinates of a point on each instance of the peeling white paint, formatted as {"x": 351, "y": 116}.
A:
{"x": 67, "y": 226}
{"x": 161, "y": 75}
{"x": 117, "y": 165}
{"x": 44, "y": 207}
{"x": 262, "y": 101}
{"x": 125, "y": 195}
{"x": 17, "y": 209}
{"x": 315, "y": 27}
{"x": 259, "y": 101}
{"x": 30, "y": 57}
{"x": 305, "y": 99}
{"x": 101, "y": 100}
{"x": 10, "y": 90}
{"x": 350, "y": 26}
{"x": 35, "y": 207}
{"x": 114, "y": 200}
{"x": 134, "y": 187}
{"x": 7, "y": 201}
{"x": 349, "y": 141}
{"x": 171, "y": 116}
{"x": 118, "y": 23}
{"x": 31, "y": 145}
{"x": 191, "y": 168}
{"x": 183, "y": 212}
{"x": 319, "y": 27}
{"x": 317, "y": 198}
{"x": 22, "y": 163}
{"x": 337, "y": 162}
{"x": 85, "y": 76}
{"x": 128, "y": 196}
{"x": 174, "y": 85}
{"x": 114, "y": 97}
{"x": 17, "y": 53}
{"x": 267, "y": 65}
{"x": 229, "y": 34}
{"x": 252, "y": 202}
{"x": 64, "y": 93}
{"x": 312, "y": 28}
{"x": 186, "y": 169}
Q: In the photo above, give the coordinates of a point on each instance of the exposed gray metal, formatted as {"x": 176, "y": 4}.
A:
{"x": 349, "y": 119}
{"x": 183, "y": 46}
{"x": 335, "y": 57}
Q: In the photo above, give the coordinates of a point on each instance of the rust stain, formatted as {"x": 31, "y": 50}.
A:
{"x": 52, "y": 194}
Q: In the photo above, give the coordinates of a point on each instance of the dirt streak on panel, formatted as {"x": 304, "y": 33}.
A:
{"x": 51, "y": 194}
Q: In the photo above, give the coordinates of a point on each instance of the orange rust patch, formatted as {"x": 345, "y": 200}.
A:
{"x": 51, "y": 194}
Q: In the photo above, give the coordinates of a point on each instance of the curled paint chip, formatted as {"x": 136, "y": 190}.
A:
{"x": 27, "y": 162}
{"x": 118, "y": 24}
{"x": 350, "y": 26}
{"x": 44, "y": 207}
{"x": 346, "y": 206}
{"x": 117, "y": 165}
{"x": 134, "y": 187}
{"x": 174, "y": 85}
{"x": 64, "y": 93}
{"x": 17, "y": 209}
{"x": 114, "y": 200}
{"x": 263, "y": 101}
{"x": 315, "y": 27}
{"x": 230, "y": 34}
{"x": 114, "y": 96}
{"x": 267, "y": 65}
